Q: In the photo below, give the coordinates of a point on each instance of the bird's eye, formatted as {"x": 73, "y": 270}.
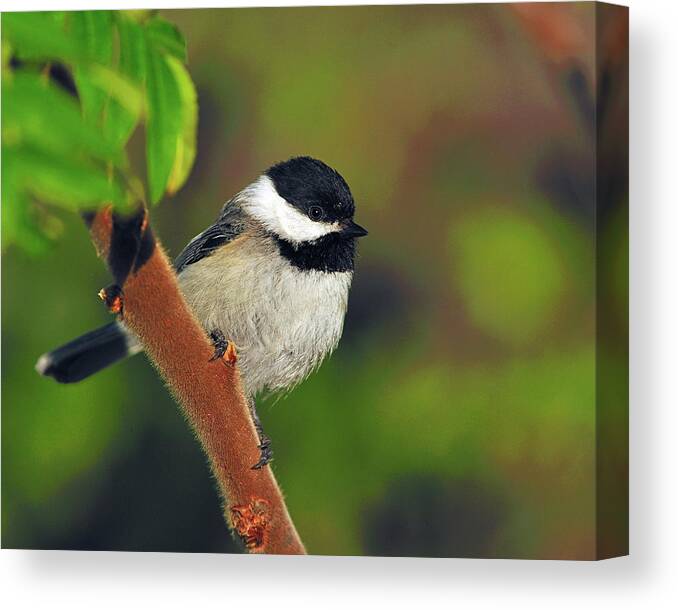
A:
{"x": 315, "y": 212}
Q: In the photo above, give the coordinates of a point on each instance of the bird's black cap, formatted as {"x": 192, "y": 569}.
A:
{"x": 305, "y": 182}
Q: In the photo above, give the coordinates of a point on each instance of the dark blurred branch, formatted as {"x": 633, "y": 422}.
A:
{"x": 558, "y": 34}
{"x": 147, "y": 296}
{"x": 586, "y": 57}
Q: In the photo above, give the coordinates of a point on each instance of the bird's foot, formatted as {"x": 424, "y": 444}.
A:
{"x": 265, "y": 452}
{"x": 220, "y": 343}
{"x": 223, "y": 348}
{"x": 112, "y": 297}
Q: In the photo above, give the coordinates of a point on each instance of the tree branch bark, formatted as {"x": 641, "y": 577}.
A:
{"x": 147, "y": 296}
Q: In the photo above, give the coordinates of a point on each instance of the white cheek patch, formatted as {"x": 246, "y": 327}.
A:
{"x": 261, "y": 201}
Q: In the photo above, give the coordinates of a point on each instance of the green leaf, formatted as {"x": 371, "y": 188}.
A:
{"x": 6, "y": 53}
{"x": 132, "y": 49}
{"x": 40, "y": 36}
{"x": 186, "y": 142}
{"x": 139, "y": 15}
{"x": 122, "y": 119}
{"x": 117, "y": 87}
{"x": 42, "y": 115}
{"x": 93, "y": 31}
{"x": 149, "y": 76}
{"x": 18, "y": 225}
{"x": 166, "y": 37}
{"x": 69, "y": 183}
{"x": 164, "y": 126}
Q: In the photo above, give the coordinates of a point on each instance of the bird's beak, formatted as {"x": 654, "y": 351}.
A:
{"x": 352, "y": 229}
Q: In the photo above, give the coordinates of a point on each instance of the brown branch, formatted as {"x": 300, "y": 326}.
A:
{"x": 147, "y": 296}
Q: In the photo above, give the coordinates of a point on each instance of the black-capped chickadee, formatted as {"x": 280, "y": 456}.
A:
{"x": 272, "y": 274}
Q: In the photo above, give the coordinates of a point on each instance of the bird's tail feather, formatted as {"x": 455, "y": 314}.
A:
{"x": 87, "y": 354}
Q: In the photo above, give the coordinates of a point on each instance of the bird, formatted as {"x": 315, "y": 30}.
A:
{"x": 272, "y": 274}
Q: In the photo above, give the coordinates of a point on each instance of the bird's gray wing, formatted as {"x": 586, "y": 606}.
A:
{"x": 226, "y": 228}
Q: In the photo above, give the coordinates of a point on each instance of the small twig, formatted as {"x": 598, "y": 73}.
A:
{"x": 147, "y": 294}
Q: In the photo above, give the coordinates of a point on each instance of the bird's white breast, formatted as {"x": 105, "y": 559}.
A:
{"x": 284, "y": 321}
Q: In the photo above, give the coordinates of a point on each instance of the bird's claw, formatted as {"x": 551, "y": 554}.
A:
{"x": 265, "y": 452}
{"x": 220, "y": 344}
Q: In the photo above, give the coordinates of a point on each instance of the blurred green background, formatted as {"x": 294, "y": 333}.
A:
{"x": 457, "y": 417}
